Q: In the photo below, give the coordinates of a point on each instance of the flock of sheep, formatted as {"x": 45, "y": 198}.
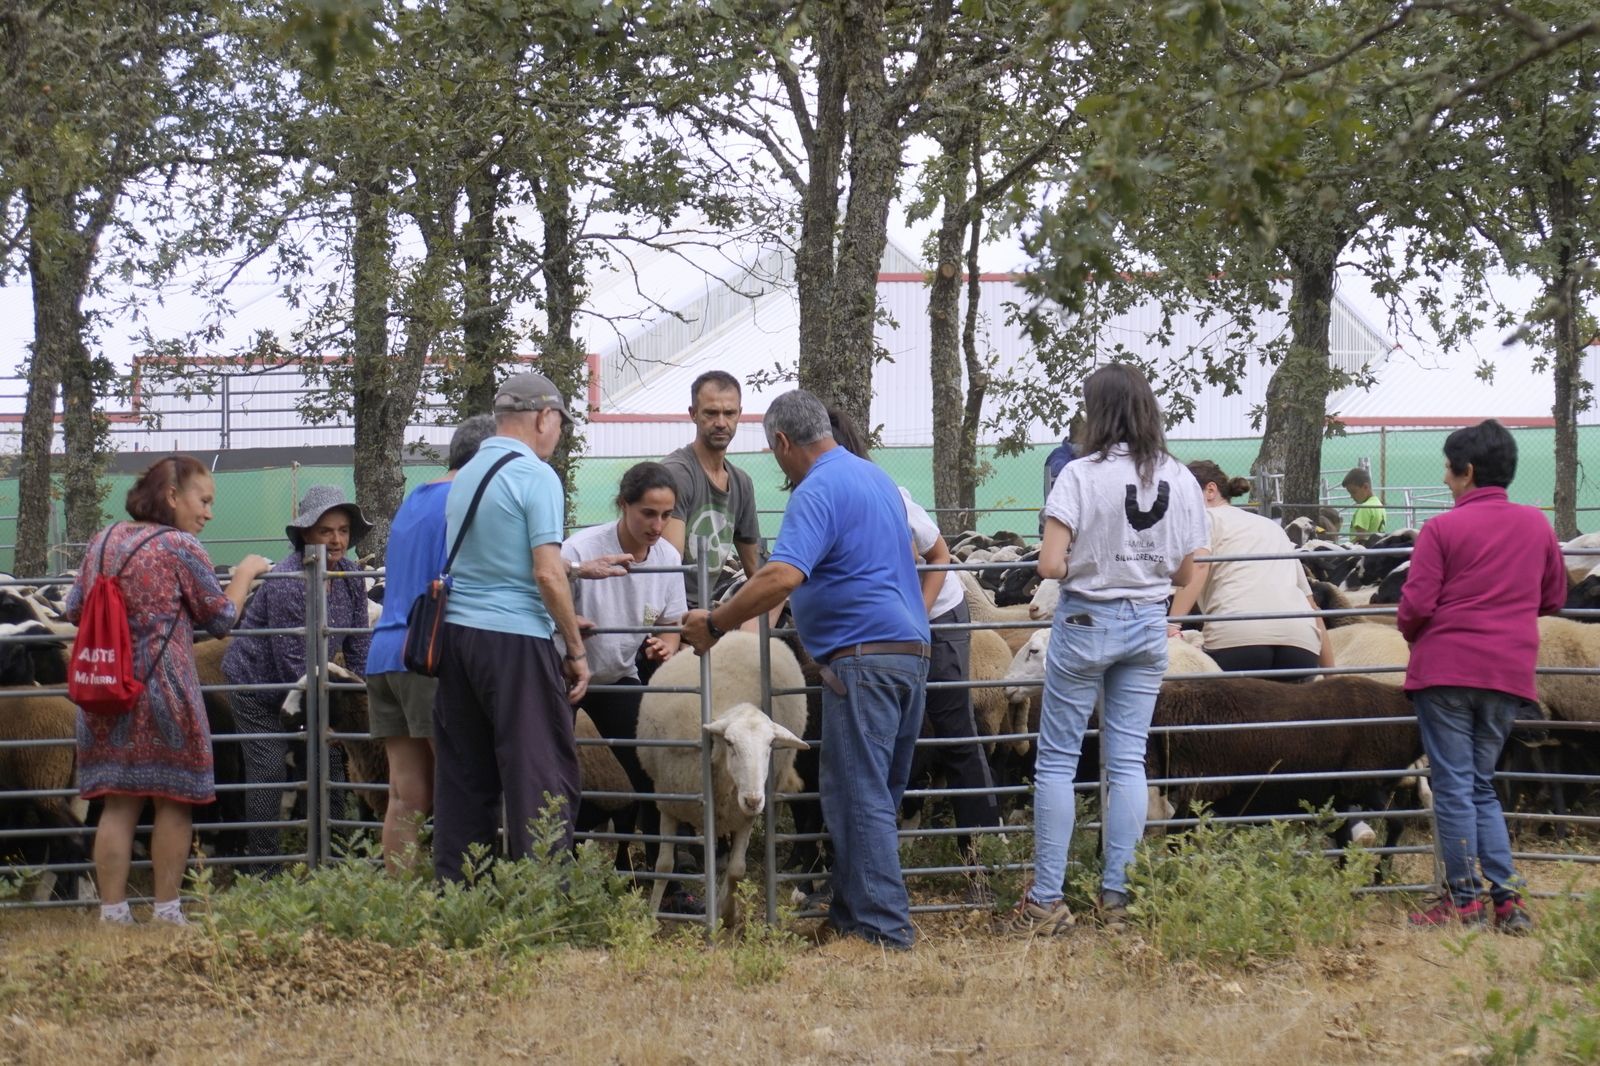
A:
{"x": 1268, "y": 771}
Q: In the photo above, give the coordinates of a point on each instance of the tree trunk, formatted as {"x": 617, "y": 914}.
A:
{"x": 819, "y": 211}
{"x": 944, "y": 336}
{"x": 1567, "y": 368}
{"x": 85, "y": 444}
{"x": 379, "y": 478}
{"x": 59, "y": 260}
{"x": 977, "y": 374}
{"x": 843, "y": 374}
{"x": 1297, "y": 396}
{"x": 561, "y": 359}
{"x": 486, "y": 346}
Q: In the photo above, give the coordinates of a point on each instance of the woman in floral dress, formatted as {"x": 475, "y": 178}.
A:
{"x": 161, "y": 750}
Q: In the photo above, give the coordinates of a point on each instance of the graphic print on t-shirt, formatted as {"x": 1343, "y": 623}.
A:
{"x": 1142, "y": 520}
{"x": 716, "y": 525}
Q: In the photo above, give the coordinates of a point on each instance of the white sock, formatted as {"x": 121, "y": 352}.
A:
{"x": 116, "y": 912}
{"x": 169, "y": 910}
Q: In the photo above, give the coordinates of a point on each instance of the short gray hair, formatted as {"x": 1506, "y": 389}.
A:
{"x": 468, "y": 435}
{"x": 798, "y": 415}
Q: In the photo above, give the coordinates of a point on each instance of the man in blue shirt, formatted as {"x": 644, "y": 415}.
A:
{"x": 502, "y": 719}
{"x": 1054, "y": 463}
{"x": 844, "y": 559}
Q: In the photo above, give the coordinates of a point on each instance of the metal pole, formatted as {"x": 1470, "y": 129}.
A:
{"x": 769, "y": 825}
{"x": 226, "y": 402}
{"x": 707, "y": 788}
{"x": 316, "y": 575}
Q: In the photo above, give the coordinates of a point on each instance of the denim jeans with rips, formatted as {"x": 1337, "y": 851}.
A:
{"x": 1122, "y": 650}
{"x": 868, "y": 735}
{"x": 1463, "y": 730}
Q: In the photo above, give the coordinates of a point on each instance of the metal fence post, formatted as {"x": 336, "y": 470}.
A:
{"x": 769, "y": 824}
{"x": 707, "y": 787}
{"x": 316, "y": 575}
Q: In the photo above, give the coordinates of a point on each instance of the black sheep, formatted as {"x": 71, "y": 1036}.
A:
{"x": 1316, "y": 749}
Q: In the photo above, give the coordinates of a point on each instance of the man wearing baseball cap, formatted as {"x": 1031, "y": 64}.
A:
{"x": 502, "y": 719}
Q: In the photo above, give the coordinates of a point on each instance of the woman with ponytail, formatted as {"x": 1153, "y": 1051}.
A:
{"x": 1263, "y": 586}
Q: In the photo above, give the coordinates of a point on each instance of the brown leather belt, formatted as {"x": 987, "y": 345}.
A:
{"x": 891, "y": 647}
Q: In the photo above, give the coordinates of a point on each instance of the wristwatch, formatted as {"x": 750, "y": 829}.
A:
{"x": 574, "y": 569}
{"x": 716, "y": 631}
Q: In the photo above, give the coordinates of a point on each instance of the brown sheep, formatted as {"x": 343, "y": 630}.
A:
{"x": 1281, "y": 751}
{"x": 25, "y": 717}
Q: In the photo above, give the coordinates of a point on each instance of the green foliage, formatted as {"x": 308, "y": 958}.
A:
{"x": 760, "y": 952}
{"x": 503, "y": 908}
{"x": 1240, "y": 894}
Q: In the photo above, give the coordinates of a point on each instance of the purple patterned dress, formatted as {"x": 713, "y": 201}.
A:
{"x": 162, "y": 748}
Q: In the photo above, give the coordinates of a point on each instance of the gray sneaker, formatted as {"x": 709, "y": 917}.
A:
{"x": 1028, "y": 918}
{"x": 1112, "y": 909}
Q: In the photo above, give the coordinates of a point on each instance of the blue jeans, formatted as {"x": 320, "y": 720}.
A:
{"x": 1463, "y": 730}
{"x": 868, "y": 735}
{"x": 1124, "y": 652}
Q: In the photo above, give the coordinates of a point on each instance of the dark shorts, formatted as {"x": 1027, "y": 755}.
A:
{"x": 400, "y": 704}
{"x": 1267, "y": 657}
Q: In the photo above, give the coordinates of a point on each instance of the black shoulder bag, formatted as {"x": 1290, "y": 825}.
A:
{"x": 424, "y": 647}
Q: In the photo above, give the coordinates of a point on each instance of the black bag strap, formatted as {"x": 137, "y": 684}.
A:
{"x": 101, "y": 566}
{"x": 472, "y": 509}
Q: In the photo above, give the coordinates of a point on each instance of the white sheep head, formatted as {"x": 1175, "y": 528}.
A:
{"x": 748, "y": 738}
{"x": 1044, "y": 601}
{"x": 1027, "y": 667}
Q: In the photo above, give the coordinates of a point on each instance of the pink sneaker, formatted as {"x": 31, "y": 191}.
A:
{"x": 1447, "y": 911}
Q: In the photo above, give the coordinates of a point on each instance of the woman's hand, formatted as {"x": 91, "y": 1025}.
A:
{"x": 251, "y": 567}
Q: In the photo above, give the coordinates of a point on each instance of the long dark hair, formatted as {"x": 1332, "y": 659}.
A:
{"x": 147, "y": 499}
{"x": 1120, "y": 408}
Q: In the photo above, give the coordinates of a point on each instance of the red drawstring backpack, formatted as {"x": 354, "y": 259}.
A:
{"x": 101, "y": 679}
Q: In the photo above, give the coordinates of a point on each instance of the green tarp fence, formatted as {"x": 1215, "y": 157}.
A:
{"x": 252, "y": 506}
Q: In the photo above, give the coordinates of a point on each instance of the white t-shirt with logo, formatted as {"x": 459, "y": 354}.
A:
{"x": 1128, "y": 538}
{"x": 924, "y": 534}
{"x": 629, "y": 600}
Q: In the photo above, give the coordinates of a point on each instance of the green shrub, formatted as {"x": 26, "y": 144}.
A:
{"x": 1235, "y": 894}
{"x": 504, "y": 908}
{"x": 1569, "y": 931}
{"x": 760, "y": 952}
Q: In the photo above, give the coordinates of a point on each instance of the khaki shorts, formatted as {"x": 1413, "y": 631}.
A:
{"x": 400, "y": 704}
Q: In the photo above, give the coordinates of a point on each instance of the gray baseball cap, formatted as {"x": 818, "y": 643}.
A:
{"x": 529, "y": 391}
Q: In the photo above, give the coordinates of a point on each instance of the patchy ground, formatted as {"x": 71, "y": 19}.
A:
{"x": 74, "y": 991}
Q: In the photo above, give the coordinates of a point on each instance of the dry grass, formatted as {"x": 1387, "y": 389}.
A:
{"x": 73, "y": 991}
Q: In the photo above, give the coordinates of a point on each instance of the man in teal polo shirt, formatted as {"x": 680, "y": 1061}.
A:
{"x": 844, "y": 560}
{"x": 502, "y": 718}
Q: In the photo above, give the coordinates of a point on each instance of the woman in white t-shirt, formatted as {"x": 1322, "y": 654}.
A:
{"x": 644, "y": 502}
{"x": 1133, "y": 518}
{"x": 1257, "y": 586}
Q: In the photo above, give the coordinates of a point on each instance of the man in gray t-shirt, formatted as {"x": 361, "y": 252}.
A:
{"x": 715, "y": 499}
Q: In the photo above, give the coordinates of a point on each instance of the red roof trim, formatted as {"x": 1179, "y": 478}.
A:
{"x": 921, "y": 277}
{"x": 1437, "y": 421}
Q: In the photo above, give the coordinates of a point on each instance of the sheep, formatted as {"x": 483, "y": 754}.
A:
{"x": 1044, "y": 601}
{"x": 1281, "y": 751}
{"x": 1327, "y": 561}
{"x": 1018, "y": 585}
{"x": 599, "y": 771}
{"x": 1026, "y": 675}
{"x": 1388, "y": 590}
{"x": 1371, "y": 645}
{"x": 1581, "y": 565}
{"x": 28, "y": 717}
{"x": 366, "y": 761}
{"x": 983, "y": 611}
{"x": 32, "y": 661}
{"x": 1584, "y": 594}
{"x": 744, "y": 743}
{"x": 1329, "y": 597}
{"x": 990, "y": 661}
{"x": 1564, "y": 642}
{"x": 1371, "y": 569}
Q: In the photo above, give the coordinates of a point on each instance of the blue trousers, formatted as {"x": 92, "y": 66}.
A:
{"x": 868, "y": 735}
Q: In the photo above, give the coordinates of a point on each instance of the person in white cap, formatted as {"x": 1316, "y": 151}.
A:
{"x": 502, "y": 718}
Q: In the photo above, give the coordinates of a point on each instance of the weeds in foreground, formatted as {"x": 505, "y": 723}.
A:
{"x": 503, "y": 908}
{"x": 760, "y": 952}
{"x": 1241, "y": 894}
{"x": 1556, "y": 1021}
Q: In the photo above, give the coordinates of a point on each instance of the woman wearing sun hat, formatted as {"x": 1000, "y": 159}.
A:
{"x": 326, "y": 516}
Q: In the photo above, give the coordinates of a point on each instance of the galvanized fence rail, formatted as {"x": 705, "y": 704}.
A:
{"x": 320, "y": 824}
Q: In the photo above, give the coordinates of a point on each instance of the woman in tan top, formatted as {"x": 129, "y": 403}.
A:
{"x": 1267, "y": 586}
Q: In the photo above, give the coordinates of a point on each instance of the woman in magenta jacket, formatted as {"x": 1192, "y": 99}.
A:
{"x": 1480, "y": 576}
